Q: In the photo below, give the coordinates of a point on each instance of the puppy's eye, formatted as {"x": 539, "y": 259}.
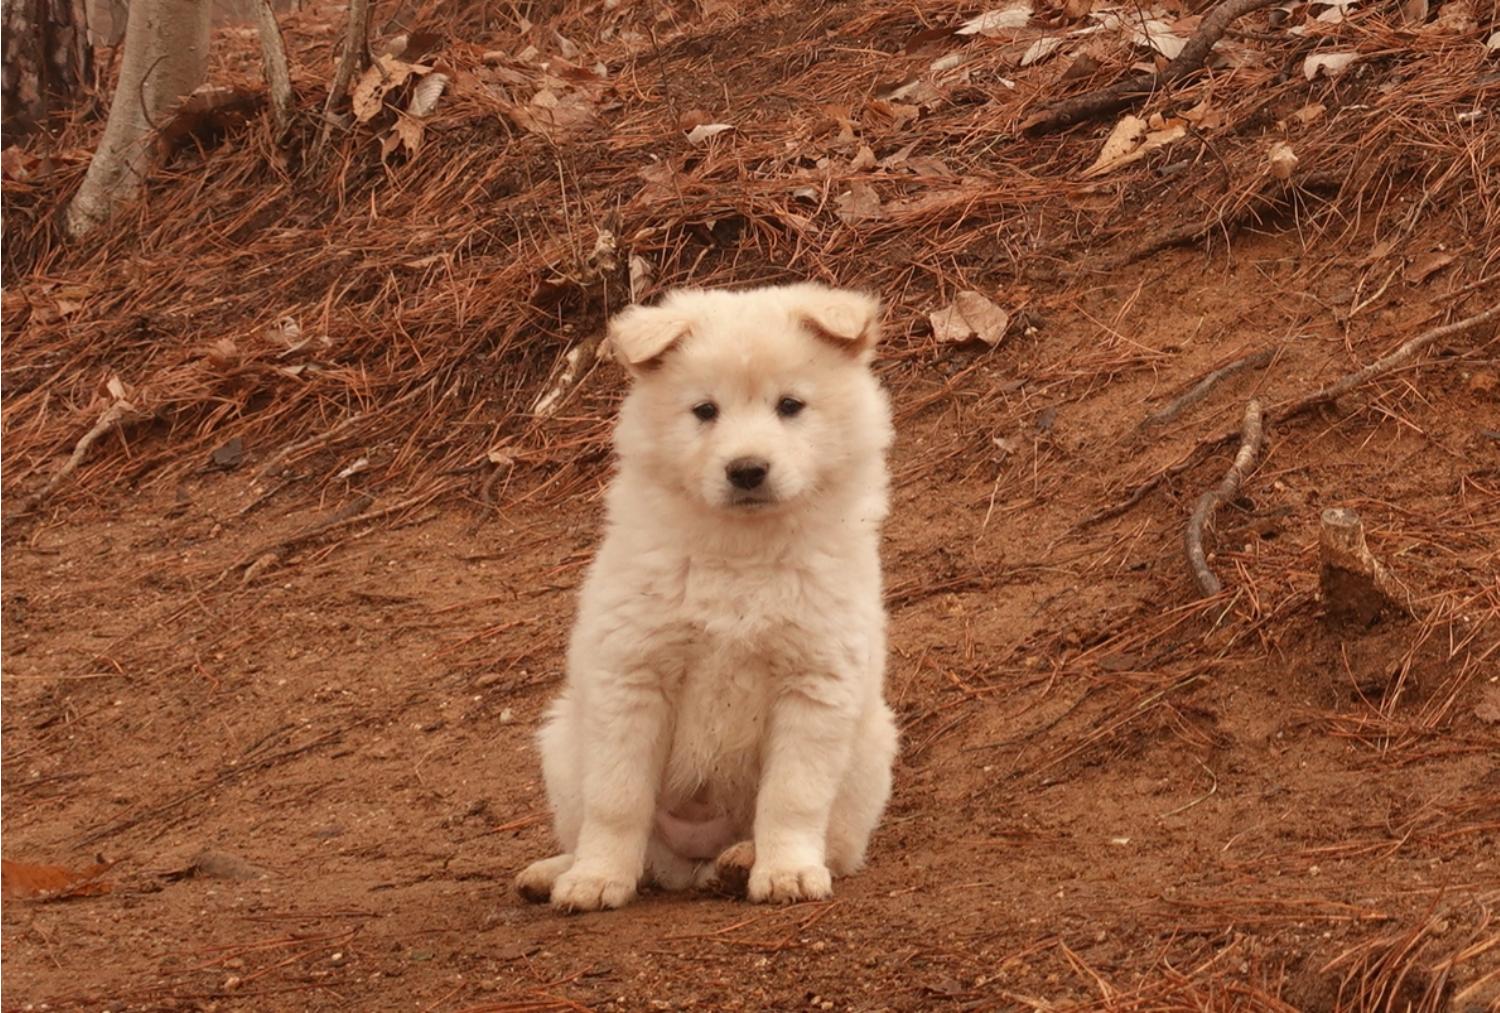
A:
{"x": 706, "y": 411}
{"x": 789, "y": 406}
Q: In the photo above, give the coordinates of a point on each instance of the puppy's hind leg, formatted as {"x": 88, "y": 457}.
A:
{"x": 864, "y": 791}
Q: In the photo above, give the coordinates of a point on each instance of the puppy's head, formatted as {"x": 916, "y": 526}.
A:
{"x": 751, "y": 401}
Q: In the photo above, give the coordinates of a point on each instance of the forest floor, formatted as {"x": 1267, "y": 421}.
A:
{"x": 275, "y": 654}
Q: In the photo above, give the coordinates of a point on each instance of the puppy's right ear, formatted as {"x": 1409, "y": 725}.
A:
{"x": 641, "y": 335}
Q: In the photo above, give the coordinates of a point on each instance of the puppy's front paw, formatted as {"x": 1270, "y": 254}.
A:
{"x": 788, "y": 885}
{"x": 583, "y": 890}
{"x": 535, "y": 881}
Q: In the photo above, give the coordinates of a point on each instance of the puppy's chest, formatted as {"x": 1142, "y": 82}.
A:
{"x": 752, "y": 622}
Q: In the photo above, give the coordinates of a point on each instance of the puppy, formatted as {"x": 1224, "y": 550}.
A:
{"x": 725, "y": 675}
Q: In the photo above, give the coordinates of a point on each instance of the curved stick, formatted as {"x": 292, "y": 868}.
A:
{"x": 1251, "y": 434}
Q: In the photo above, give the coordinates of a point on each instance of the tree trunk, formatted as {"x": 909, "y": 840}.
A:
{"x": 47, "y": 58}
{"x": 166, "y": 55}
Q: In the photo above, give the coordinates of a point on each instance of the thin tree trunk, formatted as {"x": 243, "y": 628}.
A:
{"x": 355, "y": 58}
{"x": 166, "y": 55}
{"x": 278, "y": 76}
{"x": 47, "y": 58}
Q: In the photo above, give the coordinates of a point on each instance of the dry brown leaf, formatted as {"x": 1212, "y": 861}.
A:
{"x": 1282, "y": 160}
{"x": 703, "y": 131}
{"x": 1130, "y": 141}
{"x": 640, "y": 277}
{"x": 1122, "y": 140}
{"x": 424, "y": 97}
{"x": 1205, "y": 116}
{"x": 1041, "y": 49}
{"x": 1484, "y": 382}
{"x": 968, "y": 317}
{"x": 407, "y": 132}
{"x": 1457, "y": 17}
{"x": 995, "y": 22}
{"x": 1414, "y": 12}
{"x": 859, "y": 204}
{"x": 24, "y": 881}
{"x": 1310, "y": 113}
{"x": 1488, "y": 707}
{"x": 1427, "y": 265}
{"x": 1328, "y": 64}
{"x": 18, "y": 165}
{"x": 385, "y": 74}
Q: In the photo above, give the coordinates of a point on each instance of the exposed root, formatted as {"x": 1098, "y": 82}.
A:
{"x": 1382, "y": 365}
{"x": 117, "y": 414}
{"x": 1251, "y": 435}
{"x": 1292, "y": 409}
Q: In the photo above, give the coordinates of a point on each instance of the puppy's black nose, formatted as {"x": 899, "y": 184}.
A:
{"x": 747, "y": 472}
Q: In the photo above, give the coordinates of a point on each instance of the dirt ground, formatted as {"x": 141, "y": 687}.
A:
{"x": 1102, "y": 801}
{"x": 299, "y": 728}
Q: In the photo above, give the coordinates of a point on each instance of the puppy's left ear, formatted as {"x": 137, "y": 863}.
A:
{"x": 847, "y": 319}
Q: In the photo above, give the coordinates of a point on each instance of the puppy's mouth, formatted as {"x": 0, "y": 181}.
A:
{"x": 750, "y": 500}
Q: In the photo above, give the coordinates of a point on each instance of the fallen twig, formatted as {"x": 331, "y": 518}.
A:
{"x": 1200, "y": 389}
{"x": 1068, "y": 111}
{"x": 1251, "y": 435}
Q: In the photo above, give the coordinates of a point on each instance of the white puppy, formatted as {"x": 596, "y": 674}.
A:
{"x": 725, "y": 675}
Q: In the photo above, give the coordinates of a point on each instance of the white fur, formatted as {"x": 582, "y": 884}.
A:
{"x": 725, "y": 674}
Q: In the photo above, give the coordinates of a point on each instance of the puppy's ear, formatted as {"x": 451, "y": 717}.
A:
{"x": 641, "y": 335}
{"x": 850, "y": 320}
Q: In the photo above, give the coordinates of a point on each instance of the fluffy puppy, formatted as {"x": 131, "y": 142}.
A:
{"x": 724, "y": 695}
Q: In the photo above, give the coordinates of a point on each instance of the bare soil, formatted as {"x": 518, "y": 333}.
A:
{"x": 1104, "y": 800}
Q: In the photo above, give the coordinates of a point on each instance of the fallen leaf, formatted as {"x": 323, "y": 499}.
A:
{"x": 18, "y": 165}
{"x": 1013, "y": 15}
{"x": 704, "y": 131}
{"x": 640, "y": 277}
{"x": 1007, "y": 445}
{"x": 385, "y": 74}
{"x": 1427, "y": 265}
{"x": 1329, "y": 64}
{"x": 1493, "y": 45}
{"x": 1310, "y": 113}
{"x": 970, "y": 316}
{"x": 1414, "y": 12}
{"x": 1488, "y": 707}
{"x": 1456, "y": 17}
{"x": 23, "y": 881}
{"x": 406, "y": 132}
{"x": 228, "y": 455}
{"x": 424, "y": 97}
{"x": 1484, "y": 383}
{"x": 1204, "y": 116}
{"x": 1282, "y": 160}
{"x": 1041, "y": 49}
{"x": 1127, "y": 143}
{"x": 859, "y": 203}
{"x": 1122, "y": 140}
